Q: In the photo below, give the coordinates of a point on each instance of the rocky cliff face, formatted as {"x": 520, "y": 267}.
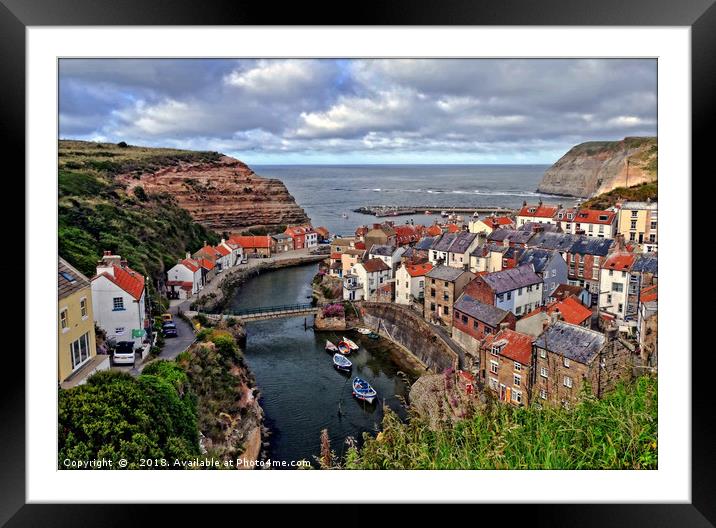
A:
{"x": 597, "y": 167}
{"x": 224, "y": 195}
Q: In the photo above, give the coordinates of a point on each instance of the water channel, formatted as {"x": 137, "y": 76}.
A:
{"x": 301, "y": 392}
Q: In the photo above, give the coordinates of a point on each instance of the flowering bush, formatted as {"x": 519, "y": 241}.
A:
{"x": 334, "y": 310}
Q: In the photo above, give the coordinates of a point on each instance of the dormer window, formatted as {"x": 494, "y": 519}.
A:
{"x": 570, "y": 215}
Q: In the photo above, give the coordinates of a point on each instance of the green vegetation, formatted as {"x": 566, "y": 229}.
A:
{"x": 617, "y": 432}
{"x": 96, "y": 213}
{"x": 114, "y": 416}
{"x": 637, "y": 193}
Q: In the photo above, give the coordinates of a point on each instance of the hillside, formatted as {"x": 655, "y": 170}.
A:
{"x": 152, "y": 205}
{"x": 597, "y": 167}
{"x": 617, "y": 432}
{"x": 638, "y": 193}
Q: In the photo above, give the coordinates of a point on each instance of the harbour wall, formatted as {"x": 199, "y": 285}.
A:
{"x": 410, "y": 331}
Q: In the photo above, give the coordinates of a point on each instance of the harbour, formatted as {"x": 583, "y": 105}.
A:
{"x": 394, "y": 210}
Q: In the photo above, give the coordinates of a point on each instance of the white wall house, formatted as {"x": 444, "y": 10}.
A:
{"x": 371, "y": 274}
{"x": 410, "y": 282}
{"x": 458, "y": 255}
{"x": 391, "y": 255}
{"x": 236, "y": 253}
{"x": 311, "y": 238}
{"x": 184, "y": 279}
{"x": 118, "y": 300}
{"x": 352, "y": 288}
{"x": 614, "y": 285}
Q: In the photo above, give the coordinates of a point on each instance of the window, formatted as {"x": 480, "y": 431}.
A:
{"x": 432, "y": 293}
{"x": 543, "y": 372}
{"x": 632, "y": 237}
{"x": 488, "y": 330}
{"x": 554, "y": 273}
{"x": 464, "y": 318}
{"x": 568, "y": 382}
{"x": 64, "y": 320}
{"x": 543, "y": 394}
{"x": 516, "y": 396}
{"x": 79, "y": 351}
{"x": 494, "y": 366}
{"x": 621, "y": 307}
{"x": 518, "y": 366}
{"x": 495, "y": 349}
{"x": 652, "y": 238}
{"x": 83, "y": 307}
{"x": 517, "y": 380}
{"x": 519, "y": 290}
{"x": 542, "y": 353}
{"x": 518, "y": 311}
{"x": 617, "y": 287}
{"x": 634, "y": 213}
{"x": 509, "y": 295}
{"x": 118, "y": 303}
{"x": 493, "y": 384}
{"x": 500, "y": 297}
{"x": 432, "y": 307}
{"x": 609, "y": 298}
{"x": 601, "y": 229}
{"x": 653, "y": 225}
{"x": 529, "y": 289}
{"x": 566, "y": 362}
{"x": 476, "y": 325}
{"x": 633, "y": 224}
{"x": 611, "y": 273}
{"x": 446, "y": 310}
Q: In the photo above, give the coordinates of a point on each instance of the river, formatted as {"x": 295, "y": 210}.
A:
{"x": 301, "y": 392}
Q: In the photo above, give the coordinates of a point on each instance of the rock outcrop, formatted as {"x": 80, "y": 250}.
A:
{"x": 223, "y": 195}
{"x": 597, "y": 167}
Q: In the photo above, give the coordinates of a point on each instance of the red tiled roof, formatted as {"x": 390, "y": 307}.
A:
{"x": 591, "y": 216}
{"x": 322, "y": 231}
{"x": 360, "y": 245}
{"x": 454, "y": 228}
{"x": 336, "y": 256}
{"x": 434, "y": 230}
{"x": 541, "y": 211}
{"x": 620, "y": 261}
{"x": 465, "y": 375}
{"x": 497, "y": 221}
{"x": 262, "y": 241}
{"x": 184, "y": 285}
{"x": 418, "y": 270}
{"x": 209, "y": 250}
{"x": 571, "y": 310}
{"x": 127, "y": 279}
{"x": 192, "y": 265}
{"x": 374, "y": 265}
{"x": 518, "y": 347}
{"x": 222, "y": 251}
{"x": 648, "y": 294}
{"x": 206, "y": 264}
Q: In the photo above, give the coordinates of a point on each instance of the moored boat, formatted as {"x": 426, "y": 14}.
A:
{"x": 373, "y": 335}
{"x": 350, "y": 343}
{"x": 344, "y": 348}
{"x": 444, "y": 214}
{"x": 331, "y": 347}
{"x": 363, "y": 391}
{"x": 428, "y": 212}
{"x": 341, "y": 362}
{"x": 364, "y": 331}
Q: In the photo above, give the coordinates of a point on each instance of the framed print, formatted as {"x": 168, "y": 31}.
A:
{"x": 407, "y": 257}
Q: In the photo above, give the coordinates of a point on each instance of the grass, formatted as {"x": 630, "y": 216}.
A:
{"x": 636, "y": 193}
{"x": 616, "y": 432}
{"x": 96, "y": 214}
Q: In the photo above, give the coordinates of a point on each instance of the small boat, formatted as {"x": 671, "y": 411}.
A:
{"x": 350, "y": 343}
{"x": 364, "y": 331}
{"x": 476, "y": 215}
{"x": 341, "y": 362}
{"x": 363, "y": 391}
{"x": 428, "y": 212}
{"x": 345, "y": 215}
{"x": 373, "y": 335}
{"x": 331, "y": 347}
{"x": 444, "y": 214}
{"x": 344, "y": 348}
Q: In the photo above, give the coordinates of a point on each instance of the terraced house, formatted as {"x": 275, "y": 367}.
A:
{"x": 473, "y": 321}
{"x": 443, "y": 285}
{"x": 77, "y": 350}
{"x": 507, "y": 366}
{"x": 517, "y": 290}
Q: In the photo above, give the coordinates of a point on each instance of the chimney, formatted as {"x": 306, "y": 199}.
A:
{"x": 524, "y": 203}
{"x": 504, "y": 326}
{"x": 205, "y": 244}
{"x": 223, "y": 241}
{"x": 188, "y": 255}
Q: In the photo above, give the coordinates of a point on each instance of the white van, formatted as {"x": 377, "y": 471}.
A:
{"x": 123, "y": 353}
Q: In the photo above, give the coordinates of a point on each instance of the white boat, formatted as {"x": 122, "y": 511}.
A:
{"x": 350, "y": 343}
{"x": 476, "y": 215}
{"x": 364, "y": 331}
{"x": 341, "y": 362}
{"x": 444, "y": 214}
{"x": 331, "y": 347}
{"x": 363, "y": 391}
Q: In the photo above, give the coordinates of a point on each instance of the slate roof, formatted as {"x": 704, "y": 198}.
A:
{"x": 512, "y": 235}
{"x": 530, "y": 226}
{"x": 511, "y": 279}
{"x": 486, "y": 313}
{"x": 592, "y": 246}
{"x": 425, "y": 243}
{"x": 462, "y": 242}
{"x": 70, "y": 280}
{"x": 554, "y": 241}
{"x": 573, "y": 342}
{"x": 539, "y": 258}
{"x": 384, "y": 250}
{"x": 445, "y": 273}
{"x": 646, "y": 263}
{"x": 444, "y": 242}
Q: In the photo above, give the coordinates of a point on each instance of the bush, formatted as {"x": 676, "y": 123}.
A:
{"x": 334, "y": 310}
{"x": 140, "y": 193}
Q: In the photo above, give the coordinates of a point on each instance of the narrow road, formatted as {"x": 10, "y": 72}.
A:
{"x": 173, "y": 346}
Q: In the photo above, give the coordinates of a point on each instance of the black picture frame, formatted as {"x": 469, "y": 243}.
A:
{"x": 16, "y": 15}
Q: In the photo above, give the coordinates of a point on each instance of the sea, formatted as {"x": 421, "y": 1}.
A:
{"x": 330, "y": 193}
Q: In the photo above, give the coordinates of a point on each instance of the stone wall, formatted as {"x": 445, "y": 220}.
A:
{"x": 407, "y": 329}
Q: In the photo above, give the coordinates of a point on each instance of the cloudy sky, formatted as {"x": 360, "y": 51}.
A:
{"x": 360, "y": 111}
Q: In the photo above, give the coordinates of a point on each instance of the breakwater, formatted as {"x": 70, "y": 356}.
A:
{"x": 394, "y": 210}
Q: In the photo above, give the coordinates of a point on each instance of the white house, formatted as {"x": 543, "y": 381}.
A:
{"x": 540, "y": 214}
{"x": 371, "y": 275}
{"x": 458, "y": 254}
{"x": 389, "y": 254}
{"x": 410, "y": 282}
{"x": 311, "y": 237}
{"x": 184, "y": 279}
{"x": 118, "y": 300}
{"x": 589, "y": 222}
{"x": 614, "y": 284}
{"x": 352, "y": 288}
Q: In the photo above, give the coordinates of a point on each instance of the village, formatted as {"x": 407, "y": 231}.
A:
{"x": 537, "y": 304}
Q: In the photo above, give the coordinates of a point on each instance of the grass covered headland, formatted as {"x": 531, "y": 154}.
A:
{"x": 617, "y": 432}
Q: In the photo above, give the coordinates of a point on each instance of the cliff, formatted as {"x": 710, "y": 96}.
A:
{"x": 597, "y": 167}
{"x": 222, "y": 194}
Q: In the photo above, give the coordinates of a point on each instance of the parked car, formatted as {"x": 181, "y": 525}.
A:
{"x": 167, "y": 318}
{"x": 169, "y": 330}
{"x": 123, "y": 353}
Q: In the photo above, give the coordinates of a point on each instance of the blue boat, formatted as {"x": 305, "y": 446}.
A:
{"x": 363, "y": 391}
{"x": 341, "y": 362}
